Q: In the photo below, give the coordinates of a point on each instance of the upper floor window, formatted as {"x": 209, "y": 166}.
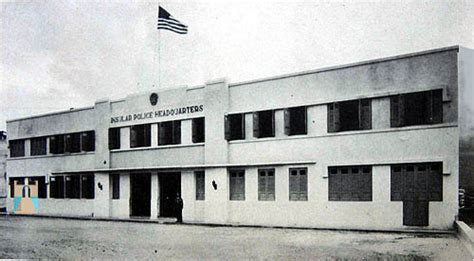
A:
{"x": 56, "y": 144}
{"x": 114, "y": 138}
{"x": 38, "y": 146}
{"x": 88, "y": 141}
{"x": 140, "y": 136}
{"x": 416, "y": 108}
{"x": 237, "y": 184}
{"x": 235, "y": 126}
{"x": 17, "y": 148}
{"x": 72, "y": 142}
{"x": 295, "y": 121}
{"x": 350, "y": 115}
{"x": 169, "y": 132}
{"x": 198, "y": 130}
{"x": 264, "y": 124}
{"x": 350, "y": 183}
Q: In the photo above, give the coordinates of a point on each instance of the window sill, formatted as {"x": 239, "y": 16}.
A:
{"x": 344, "y": 133}
{"x": 52, "y": 155}
{"x": 159, "y": 147}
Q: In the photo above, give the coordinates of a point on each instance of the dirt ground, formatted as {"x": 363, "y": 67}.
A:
{"x": 26, "y": 237}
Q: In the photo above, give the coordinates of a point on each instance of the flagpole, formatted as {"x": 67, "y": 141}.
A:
{"x": 159, "y": 51}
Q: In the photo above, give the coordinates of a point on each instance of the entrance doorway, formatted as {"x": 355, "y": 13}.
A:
{"x": 140, "y": 198}
{"x": 170, "y": 185}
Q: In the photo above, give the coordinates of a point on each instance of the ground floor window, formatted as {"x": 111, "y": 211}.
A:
{"x": 39, "y": 182}
{"x": 350, "y": 183}
{"x": 114, "y": 181}
{"x": 200, "y": 184}
{"x": 237, "y": 184}
{"x": 266, "y": 184}
{"x": 298, "y": 184}
{"x": 72, "y": 186}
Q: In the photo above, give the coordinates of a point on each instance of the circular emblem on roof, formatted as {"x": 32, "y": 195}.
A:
{"x": 154, "y": 99}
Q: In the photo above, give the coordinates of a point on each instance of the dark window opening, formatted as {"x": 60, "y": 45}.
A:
{"x": 20, "y": 181}
{"x": 200, "y": 185}
{"x": 72, "y": 142}
{"x": 295, "y": 121}
{"x": 237, "y": 184}
{"x": 266, "y": 184}
{"x": 56, "y": 144}
{"x": 416, "y": 108}
{"x": 17, "y": 148}
{"x": 40, "y": 181}
{"x": 73, "y": 186}
{"x": 264, "y": 124}
{"x": 38, "y": 146}
{"x": 350, "y": 183}
{"x": 140, "y": 136}
{"x": 198, "y": 130}
{"x": 88, "y": 141}
{"x": 114, "y": 138}
{"x": 114, "y": 180}
{"x": 235, "y": 127}
{"x": 169, "y": 133}
{"x": 87, "y": 186}
{"x": 298, "y": 184}
{"x": 350, "y": 115}
{"x": 56, "y": 187}
{"x": 422, "y": 181}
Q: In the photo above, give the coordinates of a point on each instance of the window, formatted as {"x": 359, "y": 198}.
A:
{"x": 295, "y": 121}
{"x": 56, "y": 187}
{"x": 72, "y": 142}
{"x": 235, "y": 127}
{"x": 40, "y": 182}
{"x": 114, "y": 138}
{"x": 237, "y": 184}
{"x": 56, "y": 144}
{"x": 298, "y": 184}
{"x": 200, "y": 185}
{"x": 73, "y": 186}
{"x": 114, "y": 181}
{"x": 416, "y": 108}
{"x": 140, "y": 136}
{"x": 350, "y": 183}
{"x": 88, "y": 141}
{"x": 198, "y": 130}
{"x": 417, "y": 181}
{"x": 87, "y": 186}
{"x": 264, "y": 124}
{"x": 266, "y": 184}
{"x": 350, "y": 115}
{"x": 38, "y": 146}
{"x": 20, "y": 181}
{"x": 17, "y": 148}
{"x": 169, "y": 132}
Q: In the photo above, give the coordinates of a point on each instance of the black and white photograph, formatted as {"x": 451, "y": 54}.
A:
{"x": 237, "y": 130}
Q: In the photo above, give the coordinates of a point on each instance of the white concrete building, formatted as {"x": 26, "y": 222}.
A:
{"x": 369, "y": 145}
{"x": 3, "y": 168}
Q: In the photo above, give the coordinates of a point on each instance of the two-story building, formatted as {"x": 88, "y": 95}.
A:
{"x": 369, "y": 145}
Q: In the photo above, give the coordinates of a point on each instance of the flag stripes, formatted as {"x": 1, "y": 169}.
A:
{"x": 168, "y": 22}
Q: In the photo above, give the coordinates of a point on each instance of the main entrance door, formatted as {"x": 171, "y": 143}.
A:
{"x": 170, "y": 185}
{"x": 140, "y": 198}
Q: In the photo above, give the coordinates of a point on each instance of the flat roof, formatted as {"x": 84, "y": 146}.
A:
{"x": 272, "y": 78}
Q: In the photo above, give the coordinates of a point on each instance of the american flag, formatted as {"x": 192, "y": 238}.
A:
{"x": 167, "y": 22}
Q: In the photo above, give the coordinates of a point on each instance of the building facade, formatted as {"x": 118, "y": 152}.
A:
{"x": 3, "y": 169}
{"x": 370, "y": 145}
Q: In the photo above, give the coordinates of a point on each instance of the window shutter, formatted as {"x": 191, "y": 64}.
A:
{"x": 256, "y": 129}
{"x": 437, "y": 103}
{"x": 397, "y": 108}
{"x": 273, "y": 123}
{"x": 133, "y": 137}
{"x": 287, "y": 119}
{"x": 242, "y": 118}
{"x": 365, "y": 112}
{"x": 52, "y": 144}
{"x": 177, "y": 132}
{"x": 261, "y": 186}
{"x": 147, "y": 135}
{"x": 294, "y": 185}
{"x": 226, "y": 127}
{"x": 161, "y": 133}
{"x": 303, "y": 185}
{"x": 333, "y": 117}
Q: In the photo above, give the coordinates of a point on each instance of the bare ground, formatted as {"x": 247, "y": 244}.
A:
{"x": 25, "y": 237}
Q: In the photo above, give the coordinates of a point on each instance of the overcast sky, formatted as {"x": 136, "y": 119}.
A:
{"x": 61, "y": 54}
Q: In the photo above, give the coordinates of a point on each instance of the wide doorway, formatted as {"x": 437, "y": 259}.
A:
{"x": 140, "y": 198}
{"x": 170, "y": 186}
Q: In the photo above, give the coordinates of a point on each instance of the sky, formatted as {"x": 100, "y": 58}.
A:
{"x": 56, "y": 55}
